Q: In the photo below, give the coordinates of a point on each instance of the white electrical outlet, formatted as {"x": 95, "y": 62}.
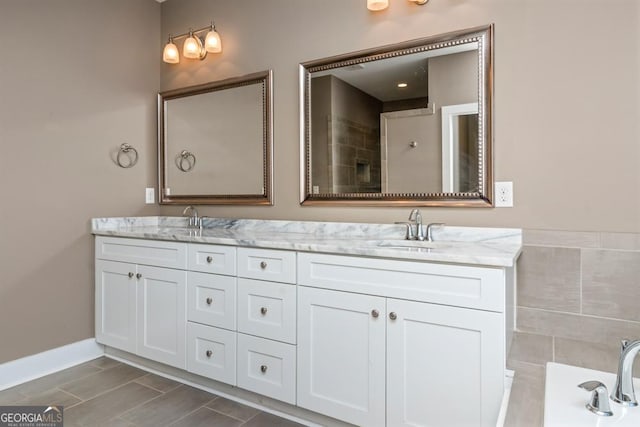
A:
{"x": 504, "y": 194}
{"x": 150, "y": 196}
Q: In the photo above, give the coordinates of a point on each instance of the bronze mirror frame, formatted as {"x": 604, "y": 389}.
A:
{"x": 483, "y": 36}
{"x": 264, "y": 78}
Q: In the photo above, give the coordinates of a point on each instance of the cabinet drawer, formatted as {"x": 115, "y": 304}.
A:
{"x": 138, "y": 251}
{"x": 267, "y": 309}
{"x": 211, "y": 299}
{"x": 212, "y": 259}
{"x": 211, "y": 352}
{"x": 266, "y": 264}
{"x": 457, "y": 285}
{"x": 267, "y": 367}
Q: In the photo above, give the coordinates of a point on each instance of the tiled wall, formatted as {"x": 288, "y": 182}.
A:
{"x": 578, "y": 296}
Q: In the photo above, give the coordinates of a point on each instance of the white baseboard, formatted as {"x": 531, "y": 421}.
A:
{"x": 38, "y": 365}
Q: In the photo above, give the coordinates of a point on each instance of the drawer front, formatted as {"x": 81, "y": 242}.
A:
{"x": 267, "y": 309}
{"x": 139, "y": 251}
{"x": 212, "y": 259}
{"x": 211, "y": 299}
{"x": 457, "y": 285}
{"x": 267, "y": 367}
{"x": 211, "y": 352}
{"x": 265, "y": 264}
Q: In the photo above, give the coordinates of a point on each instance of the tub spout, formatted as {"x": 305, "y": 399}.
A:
{"x": 623, "y": 392}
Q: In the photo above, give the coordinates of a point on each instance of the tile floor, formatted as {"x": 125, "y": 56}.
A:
{"x": 105, "y": 392}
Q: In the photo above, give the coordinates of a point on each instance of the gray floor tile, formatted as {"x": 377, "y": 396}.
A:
{"x": 10, "y": 396}
{"x": 205, "y": 417}
{"x": 169, "y": 407}
{"x": 265, "y": 419}
{"x": 157, "y": 382}
{"x": 233, "y": 409}
{"x": 105, "y": 363}
{"x": 100, "y": 410}
{"x": 54, "y": 397}
{"x": 93, "y": 385}
{"x": 56, "y": 379}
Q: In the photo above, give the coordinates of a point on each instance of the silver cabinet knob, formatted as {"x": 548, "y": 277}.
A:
{"x": 375, "y": 313}
{"x": 209, "y": 259}
{"x": 263, "y": 265}
{"x": 209, "y": 353}
{"x": 209, "y": 301}
{"x": 263, "y": 310}
{"x": 393, "y": 316}
{"x": 263, "y": 369}
{"x": 130, "y": 275}
{"x": 139, "y": 276}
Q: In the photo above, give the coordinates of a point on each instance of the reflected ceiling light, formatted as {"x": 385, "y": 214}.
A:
{"x": 376, "y": 5}
{"x": 195, "y": 46}
{"x": 402, "y": 85}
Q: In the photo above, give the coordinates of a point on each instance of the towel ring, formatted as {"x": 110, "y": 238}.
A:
{"x": 125, "y": 152}
{"x": 185, "y": 161}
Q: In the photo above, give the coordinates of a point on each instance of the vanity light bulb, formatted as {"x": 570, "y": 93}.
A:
{"x": 191, "y": 48}
{"x": 212, "y": 42}
{"x": 376, "y": 5}
{"x": 170, "y": 54}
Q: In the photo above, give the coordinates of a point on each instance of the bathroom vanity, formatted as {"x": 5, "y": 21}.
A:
{"x": 346, "y": 320}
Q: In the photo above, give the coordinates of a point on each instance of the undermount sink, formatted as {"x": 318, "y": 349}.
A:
{"x": 409, "y": 244}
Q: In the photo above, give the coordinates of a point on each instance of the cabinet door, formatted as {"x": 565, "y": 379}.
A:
{"x": 116, "y": 304}
{"x": 162, "y": 315}
{"x": 445, "y": 365}
{"x": 341, "y": 355}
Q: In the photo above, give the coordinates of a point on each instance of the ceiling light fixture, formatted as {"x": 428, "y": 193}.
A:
{"x": 376, "y": 5}
{"x": 195, "y": 46}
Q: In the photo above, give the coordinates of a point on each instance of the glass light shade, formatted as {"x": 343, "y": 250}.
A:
{"x": 170, "y": 53}
{"x": 192, "y": 47}
{"x": 377, "y": 4}
{"x": 212, "y": 42}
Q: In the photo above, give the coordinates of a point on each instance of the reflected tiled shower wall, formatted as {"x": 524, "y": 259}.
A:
{"x": 578, "y": 297}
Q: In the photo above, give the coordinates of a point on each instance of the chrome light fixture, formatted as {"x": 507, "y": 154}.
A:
{"x": 195, "y": 46}
{"x": 376, "y": 5}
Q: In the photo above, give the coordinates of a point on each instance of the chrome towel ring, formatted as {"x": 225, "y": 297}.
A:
{"x": 185, "y": 161}
{"x": 127, "y": 156}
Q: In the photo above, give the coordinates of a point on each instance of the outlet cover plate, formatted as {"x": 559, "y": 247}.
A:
{"x": 504, "y": 194}
{"x": 150, "y": 196}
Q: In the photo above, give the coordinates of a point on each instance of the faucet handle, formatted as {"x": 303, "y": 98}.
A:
{"x": 599, "y": 402}
{"x": 410, "y": 235}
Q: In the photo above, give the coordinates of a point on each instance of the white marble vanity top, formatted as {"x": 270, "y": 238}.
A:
{"x": 498, "y": 247}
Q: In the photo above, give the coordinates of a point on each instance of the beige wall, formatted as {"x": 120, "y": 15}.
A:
{"x": 566, "y": 96}
{"x": 77, "y": 79}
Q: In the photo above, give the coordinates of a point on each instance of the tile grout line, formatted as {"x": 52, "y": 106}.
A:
{"x": 194, "y": 411}
{"x": 235, "y": 418}
{"x": 106, "y": 391}
{"x": 140, "y": 404}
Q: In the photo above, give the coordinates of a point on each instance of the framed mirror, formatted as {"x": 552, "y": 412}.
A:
{"x": 403, "y": 124}
{"x": 215, "y": 142}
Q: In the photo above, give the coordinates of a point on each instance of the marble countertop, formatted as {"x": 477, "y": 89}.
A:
{"x": 499, "y": 247}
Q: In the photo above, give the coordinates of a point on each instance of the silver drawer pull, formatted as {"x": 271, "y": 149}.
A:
{"x": 263, "y": 265}
{"x": 263, "y": 369}
{"x": 263, "y": 310}
{"x": 209, "y": 353}
{"x": 130, "y": 275}
{"x": 375, "y": 313}
{"x": 209, "y": 301}
{"x": 139, "y": 276}
{"x": 393, "y": 316}
{"x": 209, "y": 259}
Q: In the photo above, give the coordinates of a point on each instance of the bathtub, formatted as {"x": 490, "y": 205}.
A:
{"x": 564, "y": 402}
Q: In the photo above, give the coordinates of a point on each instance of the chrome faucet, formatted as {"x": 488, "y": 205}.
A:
{"x": 194, "y": 219}
{"x": 416, "y": 217}
{"x": 623, "y": 392}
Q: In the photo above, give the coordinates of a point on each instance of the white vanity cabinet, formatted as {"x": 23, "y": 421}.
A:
{"x": 140, "y": 303}
{"x": 374, "y": 350}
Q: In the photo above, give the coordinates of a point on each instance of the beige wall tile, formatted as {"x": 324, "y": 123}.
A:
{"x": 549, "y": 278}
{"x": 531, "y": 348}
{"x": 611, "y": 283}
{"x": 628, "y": 241}
{"x": 572, "y": 239}
{"x": 602, "y": 357}
{"x": 575, "y": 326}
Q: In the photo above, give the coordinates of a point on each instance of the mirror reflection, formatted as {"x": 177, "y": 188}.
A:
{"x": 408, "y": 122}
{"x": 216, "y": 142}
